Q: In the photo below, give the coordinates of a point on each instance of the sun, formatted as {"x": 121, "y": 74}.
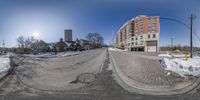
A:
{"x": 36, "y": 34}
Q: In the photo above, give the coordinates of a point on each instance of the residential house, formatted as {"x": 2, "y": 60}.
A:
{"x": 85, "y": 44}
{"x": 61, "y": 45}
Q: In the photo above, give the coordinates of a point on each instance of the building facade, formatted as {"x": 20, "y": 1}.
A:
{"x": 141, "y": 33}
{"x": 68, "y": 34}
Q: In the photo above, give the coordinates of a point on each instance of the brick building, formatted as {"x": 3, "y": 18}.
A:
{"x": 140, "y": 34}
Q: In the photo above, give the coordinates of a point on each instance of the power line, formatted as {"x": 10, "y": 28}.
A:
{"x": 197, "y": 36}
{"x": 176, "y": 20}
{"x": 192, "y": 17}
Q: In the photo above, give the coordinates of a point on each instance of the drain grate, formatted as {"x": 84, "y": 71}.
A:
{"x": 86, "y": 78}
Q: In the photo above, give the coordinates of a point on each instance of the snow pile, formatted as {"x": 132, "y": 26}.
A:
{"x": 115, "y": 49}
{"x": 4, "y": 64}
{"x": 51, "y": 55}
{"x": 178, "y": 54}
{"x": 182, "y": 67}
{"x": 41, "y": 55}
{"x": 65, "y": 54}
{"x": 165, "y": 55}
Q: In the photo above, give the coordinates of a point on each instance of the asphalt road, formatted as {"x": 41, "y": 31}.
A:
{"x": 57, "y": 73}
{"x": 103, "y": 88}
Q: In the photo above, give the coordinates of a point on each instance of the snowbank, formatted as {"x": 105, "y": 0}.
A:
{"x": 51, "y": 55}
{"x": 115, "y": 49}
{"x": 165, "y": 55}
{"x": 65, "y": 54}
{"x": 41, "y": 55}
{"x": 4, "y": 64}
{"x": 182, "y": 67}
{"x": 176, "y": 55}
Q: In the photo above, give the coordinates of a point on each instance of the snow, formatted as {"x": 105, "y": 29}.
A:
{"x": 4, "y": 63}
{"x": 165, "y": 55}
{"x": 41, "y": 55}
{"x": 181, "y": 66}
{"x": 178, "y": 55}
{"x": 65, "y": 54}
{"x": 115, "y": 49}
{"x": 51, "y": 55}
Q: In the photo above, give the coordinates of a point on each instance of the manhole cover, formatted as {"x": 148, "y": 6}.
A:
{"x": 86, "y": 78}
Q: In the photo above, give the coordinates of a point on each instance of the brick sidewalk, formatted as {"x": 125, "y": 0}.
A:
{"x": 143, "y": 69}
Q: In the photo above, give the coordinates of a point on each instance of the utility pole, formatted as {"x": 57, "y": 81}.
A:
{"x": 3, "y": 44}
{"x": 192, "y": 17}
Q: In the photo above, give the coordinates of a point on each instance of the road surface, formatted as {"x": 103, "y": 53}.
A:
{"x": 104, "y": 87}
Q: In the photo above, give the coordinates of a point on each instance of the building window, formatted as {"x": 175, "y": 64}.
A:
{"x": 141, "y": 19}
{"x": 136, "y": 43}
{"x": 149, "y": 29}
{"x": 154, "y": 24}
{"x": 149, "y": 36}
{"x": 136, "y": 38}
{"x": 136, "y": 26}
{"x": 154, "y": 35}
{"x": 153, "y": 27}
{"x": 132, "y": 43}
{"x": 141, "y": 26}
{"x": 141, "y": 37}
{"x": 141, "y": 42}
{"x": 132, "y": 39}
{"x": 154, "y": 19}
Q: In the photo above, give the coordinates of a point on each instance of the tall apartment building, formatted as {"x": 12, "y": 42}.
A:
{"x": 68, "y": 34}
{"x": 140, "y": 34}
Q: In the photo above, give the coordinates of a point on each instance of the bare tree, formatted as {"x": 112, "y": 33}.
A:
{"x": 95, "y": 38}
{"x": 25, "y": 42}
{"x": 29, "y": 41}
{"x": 21, "y": 41}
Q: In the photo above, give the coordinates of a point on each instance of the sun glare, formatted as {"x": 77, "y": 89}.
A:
{"x": 36, "y": 34}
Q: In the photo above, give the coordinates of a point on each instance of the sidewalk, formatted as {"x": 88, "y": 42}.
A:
{"x": 144, "y": 75}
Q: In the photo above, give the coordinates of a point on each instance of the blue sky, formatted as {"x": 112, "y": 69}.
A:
{"x": 50, "y": 17}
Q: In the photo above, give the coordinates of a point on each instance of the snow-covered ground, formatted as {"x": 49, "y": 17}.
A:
{"x": 64, "y": 54}
{"x": 51, "y": 55}
{"x": 4, "y": 63}
{"x": 115, "y": 49}
{"x": 165, "y": 55}
{"x": 176, "y": 55}
{"x": 182, "y": 67}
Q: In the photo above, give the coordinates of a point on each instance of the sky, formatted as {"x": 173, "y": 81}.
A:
{"x": 49, "y": 18}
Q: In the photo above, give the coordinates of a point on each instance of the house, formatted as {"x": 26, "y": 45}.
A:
{"x": 39, "y": 46}
{"x": 61, "y": 45}
{"x": 85, "y": 44}
{"x": 70, "y": 44}
{"x": 77, "y": 45}
{"x": 50, "y": 46}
